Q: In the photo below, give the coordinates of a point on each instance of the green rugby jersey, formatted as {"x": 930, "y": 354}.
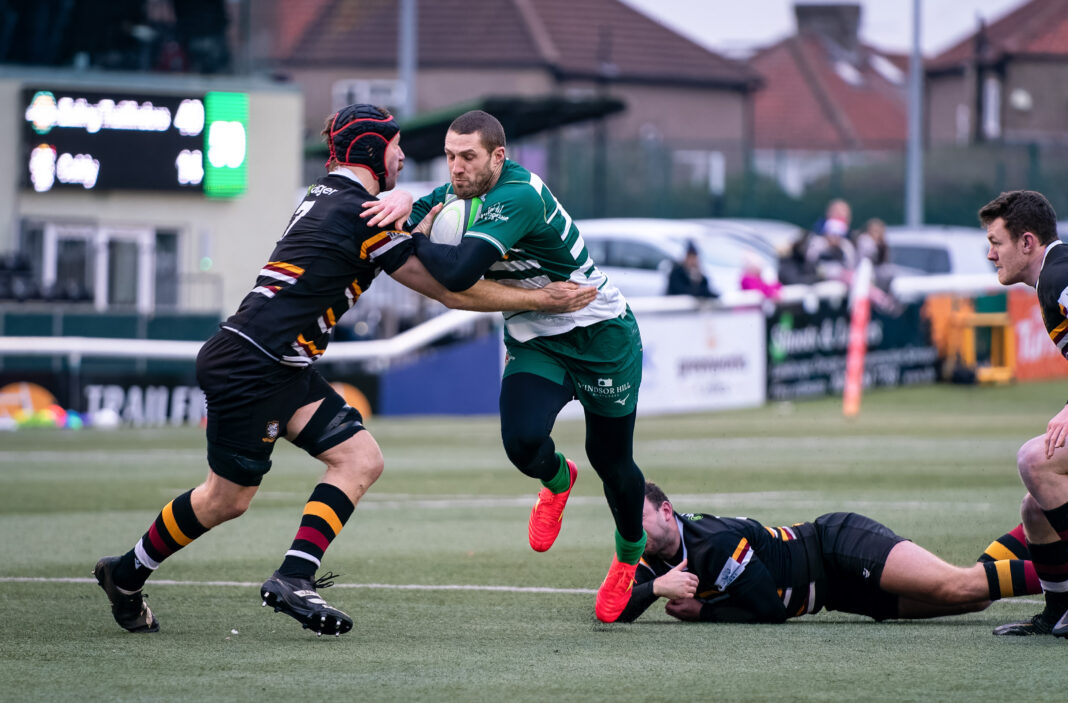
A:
{"x": 539, "y": 243}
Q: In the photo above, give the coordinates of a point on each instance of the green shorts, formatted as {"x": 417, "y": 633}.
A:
{"x": 603, "y": 361}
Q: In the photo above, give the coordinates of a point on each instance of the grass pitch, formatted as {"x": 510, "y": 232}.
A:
{"x": 452, "y": 605}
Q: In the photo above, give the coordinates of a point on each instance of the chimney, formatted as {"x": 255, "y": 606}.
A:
{"x": 839, "y": 23}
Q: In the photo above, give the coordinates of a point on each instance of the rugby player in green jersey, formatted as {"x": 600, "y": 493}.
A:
{"x": 524, "y": 237}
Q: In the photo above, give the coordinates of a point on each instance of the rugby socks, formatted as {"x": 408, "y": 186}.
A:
{"x": 175, "y": 527}
{"x": 629, "y": 552}
{"x": 327, "y": 511}
{"x": 1011, "y": 577}
{"x": 1051, "y": 562}
{"x": 1011, "y": 545}
{"x": 561, "y": 482}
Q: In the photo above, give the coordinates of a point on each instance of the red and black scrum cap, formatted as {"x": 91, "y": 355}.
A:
{"x": 359, "y": 135}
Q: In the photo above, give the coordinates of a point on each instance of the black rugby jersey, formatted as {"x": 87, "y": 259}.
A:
{"x": 1052, "y": 290}
{"x": 325, "y": 260}
{"x": 747, "y": 572}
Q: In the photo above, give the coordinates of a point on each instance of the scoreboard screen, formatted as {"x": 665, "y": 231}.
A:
{"x": 82, "y": 140}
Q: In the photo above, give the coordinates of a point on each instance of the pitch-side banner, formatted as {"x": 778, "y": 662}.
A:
{"x": 807, "y": 350}
{"x": 696, "y": 361}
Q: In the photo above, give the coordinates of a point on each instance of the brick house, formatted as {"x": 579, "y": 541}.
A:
{"x": 1007, "y": 82}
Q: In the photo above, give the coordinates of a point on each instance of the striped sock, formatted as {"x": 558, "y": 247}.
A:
{"x": 1011, "y": 545}
{"x": 175, "y": 527}
{"x": 1051, "y": 562}
{"x": 1051, "y": 565}
{"x": 1011, "y": 577}
{"x": 327, "y": 511}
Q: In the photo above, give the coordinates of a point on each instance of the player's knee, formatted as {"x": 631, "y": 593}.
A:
{"x": 522, "y": 448}
{"x": 1031, "y": 459}
{"x": 360, "y": 462}
{"x": 1030, "y": 511}
{"x": 333, "y": 423}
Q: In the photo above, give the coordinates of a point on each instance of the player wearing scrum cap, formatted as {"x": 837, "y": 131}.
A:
{"x": 524, "y": 237}
{"x": 261, "y": 384}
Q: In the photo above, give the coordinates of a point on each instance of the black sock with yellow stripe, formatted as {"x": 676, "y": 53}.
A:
{"x": 327, "y": 511}
{"x": 1011, "y": 545}
{"x": 1011, "y": 577}
{"x": 1051, "y": 562}
{"x": 175, "y": 527}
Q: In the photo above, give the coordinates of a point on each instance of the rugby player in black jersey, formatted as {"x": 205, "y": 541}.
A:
{"x": 258, "y": 376}
{"x": 737, "y": 570}
{"x": 1021, "y": 227}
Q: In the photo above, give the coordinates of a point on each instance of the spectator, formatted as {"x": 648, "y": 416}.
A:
{"x": 753, "y": 279}
{"x": 871, "y": 243}
{"x": 794, "y": 268}
{"x": 831, "y": 252}
{"x": 686, "y": 277}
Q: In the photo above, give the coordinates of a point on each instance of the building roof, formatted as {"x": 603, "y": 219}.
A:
{"x": 574, "y": 40}
{"x": 1035, "y": 28}
{"x": 819, "y": 96}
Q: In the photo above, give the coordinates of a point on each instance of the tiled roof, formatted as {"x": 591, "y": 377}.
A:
{"x": 573, "y": 38}
{"x": 818, "y": 97}
{"x": 1038, "y": 27}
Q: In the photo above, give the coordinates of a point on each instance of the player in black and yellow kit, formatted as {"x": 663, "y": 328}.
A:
{"x": 261, "y": 385}
{"x": 1021, "y": 227}
{"x": 737, "y": 570}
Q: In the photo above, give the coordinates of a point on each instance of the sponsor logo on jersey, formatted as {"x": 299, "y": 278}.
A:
{"x": 321, "y": 190}
{"x": 494, "y": 213}
{"x": 735, "y": 565}
{"x": 606, "y": 390}
{"x": 271, "y": 431}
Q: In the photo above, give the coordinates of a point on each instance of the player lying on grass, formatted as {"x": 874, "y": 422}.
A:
{"x": 737, "y": 570}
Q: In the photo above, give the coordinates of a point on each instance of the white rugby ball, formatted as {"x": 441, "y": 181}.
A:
{"x": 454, "y": 219}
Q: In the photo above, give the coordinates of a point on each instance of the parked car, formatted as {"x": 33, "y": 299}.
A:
{"x": 637, "y": 253}
{"x": 938, "y": 249}
{"x": 778, "y": 235}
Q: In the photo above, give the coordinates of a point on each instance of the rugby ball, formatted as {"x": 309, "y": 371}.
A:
{"x": 454, "y": 219}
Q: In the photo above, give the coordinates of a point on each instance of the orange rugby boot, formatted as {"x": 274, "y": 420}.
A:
{"x": 547, "y": 514}
{"x": 614, "y": 593}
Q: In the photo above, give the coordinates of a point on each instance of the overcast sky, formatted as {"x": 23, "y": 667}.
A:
{"x": 732, "y": 26}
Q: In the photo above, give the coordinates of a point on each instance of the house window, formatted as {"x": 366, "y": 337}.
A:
{"x": 963, "y": 124}
{"x": 991, "y": 108}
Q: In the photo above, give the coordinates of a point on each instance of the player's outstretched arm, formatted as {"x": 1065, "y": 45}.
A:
{"x": 487, "y": 296}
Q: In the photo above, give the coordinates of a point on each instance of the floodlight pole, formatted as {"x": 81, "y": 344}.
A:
{"x": 914, "y": 154}
{"x": 407, "y": 53}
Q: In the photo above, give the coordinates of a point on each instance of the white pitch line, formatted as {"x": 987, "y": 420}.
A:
{"x": 381, "y": 586}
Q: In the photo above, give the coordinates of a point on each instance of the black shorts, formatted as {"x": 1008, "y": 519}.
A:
{"x": 854, "y": 549}
{"x": 250, "y": 400}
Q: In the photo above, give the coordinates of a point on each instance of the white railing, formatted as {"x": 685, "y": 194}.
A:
{"x": 440, "y": 326}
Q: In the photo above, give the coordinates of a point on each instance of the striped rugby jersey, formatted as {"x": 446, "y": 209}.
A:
{"x": 327, "y": 257}
{"x": 769, "y": 573}
{"x": 1052, "y": 290}
{"x": 539, "y": 243}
